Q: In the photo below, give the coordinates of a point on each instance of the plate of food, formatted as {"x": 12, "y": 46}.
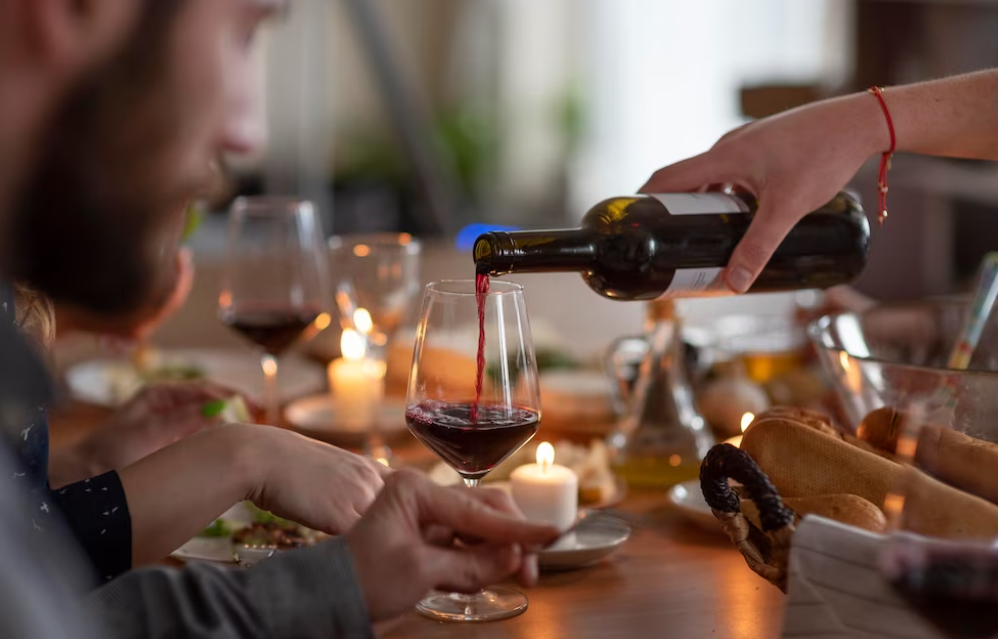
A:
{"x": 112, "y": 382}
{"x": 245, "y": 534}
{"x": 599, "y": 487}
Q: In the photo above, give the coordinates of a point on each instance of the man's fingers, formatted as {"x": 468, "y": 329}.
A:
{"x": 469, "y": 514}
{"x": 764, "y": 235}
{"x": 501, "y": 500}
{"x": 468, "y": 570}
{"x": 686, "y": 176}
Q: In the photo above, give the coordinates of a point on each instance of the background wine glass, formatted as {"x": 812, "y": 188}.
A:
{"x": 945, "y": 566}
{"x": 378, "y": 273}
{"x": 274, "y": 282}
{"x": 378, "y": 279}
{"x": 441, "y": 395}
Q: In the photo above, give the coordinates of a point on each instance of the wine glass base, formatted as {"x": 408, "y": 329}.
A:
{"x": 489, "y": 605}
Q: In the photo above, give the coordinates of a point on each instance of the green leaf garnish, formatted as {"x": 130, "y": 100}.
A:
{"x": 213, "y": 409}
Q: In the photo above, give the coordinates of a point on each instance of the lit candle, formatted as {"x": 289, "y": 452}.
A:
{"x": 736, "y": 441}
{"x": 545, "y": 492}
{"x": 355, "y": 382}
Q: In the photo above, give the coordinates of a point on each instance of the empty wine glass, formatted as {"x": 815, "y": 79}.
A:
{"x": 274, "y": 283}
{"x": 378, "y": 273}
{"x": 378, "y": 279}
{"x": 473, "y": 433}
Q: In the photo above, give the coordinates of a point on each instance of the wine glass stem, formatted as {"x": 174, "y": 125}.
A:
{"x": 269, "y": 364}
{"x": 472, "y": 483}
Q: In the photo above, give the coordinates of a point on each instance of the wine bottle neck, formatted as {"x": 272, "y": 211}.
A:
{"x": 499, "y": 253}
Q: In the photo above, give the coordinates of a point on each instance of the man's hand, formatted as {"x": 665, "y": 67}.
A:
{"x": 405, "y": 546}
{"x": 315, "y": 484}
{"x": 157, "y": 416}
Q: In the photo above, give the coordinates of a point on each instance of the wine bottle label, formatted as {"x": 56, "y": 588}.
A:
{"x": 697, "y": 282}
{"x": 701, "y": 203}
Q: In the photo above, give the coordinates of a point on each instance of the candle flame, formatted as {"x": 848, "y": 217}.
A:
{"x": 269, "y": 367}
{"x": 545, "y": 456}
{"x": 747, "y": 421}
{"x": 362, "y": 320}
{"x": 352, "y": 345}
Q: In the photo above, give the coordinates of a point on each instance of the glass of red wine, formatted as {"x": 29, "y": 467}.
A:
{"x": 944, "y": 566}
{"x": 274, "y": 283}
{"x": 473, "y": 399}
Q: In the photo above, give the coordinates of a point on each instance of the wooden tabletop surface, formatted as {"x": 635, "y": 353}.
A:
{"x": 670, "y": 579}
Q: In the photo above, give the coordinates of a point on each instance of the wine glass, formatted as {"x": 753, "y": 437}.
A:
{"x": 274, "y": 283}
{"x": 473, "y": 433}
{"x": 378, "y": 273}
{"x": 378, "y": 281}
{"x": 941, "y": 555}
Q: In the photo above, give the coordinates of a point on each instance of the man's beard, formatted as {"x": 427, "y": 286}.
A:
{"x": 88, "y": 227}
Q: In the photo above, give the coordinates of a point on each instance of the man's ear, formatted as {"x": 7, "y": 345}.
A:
{"x": 69, "y": 34}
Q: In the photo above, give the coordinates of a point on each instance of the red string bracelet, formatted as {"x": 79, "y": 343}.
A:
{"x": 885, "y": 159}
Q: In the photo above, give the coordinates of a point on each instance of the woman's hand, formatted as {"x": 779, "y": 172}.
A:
{"x": 315, "y": 484}
{"x": 174, "y": 493}
{"x": 157, "y": 416}
{"x": 793, "y": 163}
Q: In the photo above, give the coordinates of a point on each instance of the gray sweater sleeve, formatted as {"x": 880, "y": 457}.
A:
{"x": 299, "y": 594}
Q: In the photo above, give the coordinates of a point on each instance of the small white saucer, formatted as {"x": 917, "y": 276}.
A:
{"x": 315, "y": 415}
{"x": 688, "y": 499}
{"x": 596, "y": 536}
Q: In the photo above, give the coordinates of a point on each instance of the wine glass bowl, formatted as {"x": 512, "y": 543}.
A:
{"x": 274, "y": 287}
{"x": 378, "y": 273}
{"x": 472, "y": 432}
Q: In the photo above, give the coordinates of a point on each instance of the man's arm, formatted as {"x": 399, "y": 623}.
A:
{"x": 302, "y": 594}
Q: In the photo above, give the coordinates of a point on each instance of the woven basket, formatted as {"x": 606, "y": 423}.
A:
{"x": 766, "y": 549}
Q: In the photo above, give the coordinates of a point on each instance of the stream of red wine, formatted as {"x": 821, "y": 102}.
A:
{"x": 481, "y": 292}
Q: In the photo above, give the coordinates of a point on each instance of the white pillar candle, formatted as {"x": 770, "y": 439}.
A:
{"x": 355, "y": 382}
{"x": 545, "y": 492}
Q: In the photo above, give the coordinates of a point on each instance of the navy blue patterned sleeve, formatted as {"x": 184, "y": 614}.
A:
{"x": 95, "y": 509}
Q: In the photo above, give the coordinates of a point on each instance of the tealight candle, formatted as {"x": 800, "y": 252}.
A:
{"x": 355, "y": 382}
{"x": 545, "y": 492}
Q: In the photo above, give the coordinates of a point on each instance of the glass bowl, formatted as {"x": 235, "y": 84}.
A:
{"x": 894, "y": 353}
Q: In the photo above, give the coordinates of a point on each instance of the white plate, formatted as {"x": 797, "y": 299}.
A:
{"x": 110, "y": 382}
{"x": 222, "y": 549}
{"x": 316, "y": 415}
{"x": 596, "y": 536}
{"x": 688, "y": 499}
{"x": 215, "y": 549}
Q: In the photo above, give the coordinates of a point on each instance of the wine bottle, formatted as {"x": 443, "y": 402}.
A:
{"x": 677, "y": 245}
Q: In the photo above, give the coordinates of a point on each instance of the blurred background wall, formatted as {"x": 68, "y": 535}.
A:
{"x": 429, "y": 115}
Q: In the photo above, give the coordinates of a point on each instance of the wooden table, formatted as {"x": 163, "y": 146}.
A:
{"x": 671, "y": 579}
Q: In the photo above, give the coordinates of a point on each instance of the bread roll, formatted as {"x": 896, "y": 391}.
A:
{"x": 959, "y": 459}
{"x": 851, "y": 510}
{"x": 804, "y": 462}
